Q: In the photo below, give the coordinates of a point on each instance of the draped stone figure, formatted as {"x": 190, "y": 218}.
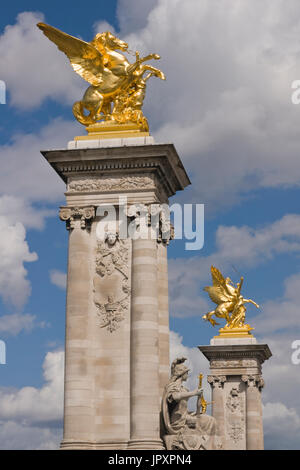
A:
{"x": 185, "y": 430}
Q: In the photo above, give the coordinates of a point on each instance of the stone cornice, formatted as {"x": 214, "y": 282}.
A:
{"x": 247, "y": 351}
{"x": 160, "y": 159}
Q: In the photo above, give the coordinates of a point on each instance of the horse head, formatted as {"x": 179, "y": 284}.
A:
{"x": 108, "y": 41}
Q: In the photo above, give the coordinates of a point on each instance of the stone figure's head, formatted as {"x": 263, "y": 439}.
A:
{"x": 111, "y": 238}
{"x": 179, "y": 369}
{"x": 191, "y": 422}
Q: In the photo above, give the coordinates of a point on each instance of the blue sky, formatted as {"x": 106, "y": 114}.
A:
{"x": 227, "y": 106}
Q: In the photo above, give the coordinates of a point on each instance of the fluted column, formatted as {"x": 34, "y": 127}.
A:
{"x": 78, "y": 412}
{"x": 254, "y": 424}
{"x": 145, "y": 396}
{"x": 217, "y": 384}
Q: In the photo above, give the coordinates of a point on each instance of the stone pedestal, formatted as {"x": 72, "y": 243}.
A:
{"x": 117, "y": 319}
{"x": 236, "y": 382}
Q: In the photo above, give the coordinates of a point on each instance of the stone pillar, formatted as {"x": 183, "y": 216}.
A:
{"x": 254, "y": 431}
{"x": 145, "y": 396}
{"x": 217, "y": 384}
{"x": 78, "y": 383}
{"x": 163, "y": 315}
{"x": 236, "y": 380}
{"x": 117, "y": 320}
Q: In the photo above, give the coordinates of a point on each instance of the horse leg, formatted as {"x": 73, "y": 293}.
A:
{"x": 93, "y": 102}
{"x": 208, "y": 317}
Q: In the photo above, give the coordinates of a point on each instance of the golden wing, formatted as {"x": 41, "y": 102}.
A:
{"x": 218, "y": 292}
{"x": 85, "y": 59}
{"x": 217, "y": 277}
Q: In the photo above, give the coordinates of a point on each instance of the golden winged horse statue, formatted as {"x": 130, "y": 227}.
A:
{"x": 229, "y": 300}
{"x": 117, "y": 87}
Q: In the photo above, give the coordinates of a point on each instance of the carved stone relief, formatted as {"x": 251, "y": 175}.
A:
{"x": 235, "y": 415}
{"x": 218, "y": 364}
{"x": 105, "y": 183}
{"x": 111, "y": 281}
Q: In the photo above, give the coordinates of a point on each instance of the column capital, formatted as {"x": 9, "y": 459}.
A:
{"x": 253, "y": 381}
{"x": 216, "y": 381}
{"x": 71, "y": 214}
{"x": 156, "y": 216}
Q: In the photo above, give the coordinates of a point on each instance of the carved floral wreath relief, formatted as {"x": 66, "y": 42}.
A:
{"x": 111, "y": 281}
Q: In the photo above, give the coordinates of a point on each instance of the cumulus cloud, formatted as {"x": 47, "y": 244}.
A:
{"x": 243, "y": 246}
{"x": 18, "y": 209}
{"x": 282, "y": 313}
{"x": 31, "y": 418}
{"x": 227, "y": 100}
{"x": 33, "y": 68}
{"x": 25, "y": 174}
{"x": 21, "y": 436}
{"x": 58, "y": 278}
{"x": 281, "y": 427}
{"x": 133, "y": 15}
{"x": 14, "y": 252}
{"x": 14, "y": 323}
{"x": 37, "y": 405}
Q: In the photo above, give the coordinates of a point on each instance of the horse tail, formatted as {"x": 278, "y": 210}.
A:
{"x": 78, "y": 111}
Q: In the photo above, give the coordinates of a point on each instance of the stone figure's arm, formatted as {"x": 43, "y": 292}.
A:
{"x": 181, "y": 395}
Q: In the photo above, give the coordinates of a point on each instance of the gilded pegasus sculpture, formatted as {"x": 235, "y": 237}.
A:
{"x": 230, "y": 303}
{"x": 117, "y": 87}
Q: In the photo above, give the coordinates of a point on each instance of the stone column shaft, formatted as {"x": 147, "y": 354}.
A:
{"x": 78, "y": 383}
{"x": 216, "y": 383}
{"x": 163, "y": 316}
{"x": 254, "y": 424}
{"x": 145, "y": 396}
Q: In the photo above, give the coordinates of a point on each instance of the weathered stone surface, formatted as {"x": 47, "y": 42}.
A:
{"x": 236, "y": 381}
{"x": 117, "y": 319}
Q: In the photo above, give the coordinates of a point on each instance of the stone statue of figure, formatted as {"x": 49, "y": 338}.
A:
{"x": 185, "y": 430}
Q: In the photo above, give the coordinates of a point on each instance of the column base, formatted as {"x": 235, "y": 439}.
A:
{"x": 89, "y": 445}
{"x": 146, "y": 444}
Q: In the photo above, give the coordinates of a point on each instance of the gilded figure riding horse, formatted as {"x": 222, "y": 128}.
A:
{"x": 117, "y": 87}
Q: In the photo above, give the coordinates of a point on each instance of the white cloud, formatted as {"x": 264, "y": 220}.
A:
{"x": 18, "y": 209}
{"x": 58, "y": 278}
{"x": 133, "y": 15}
{"x": 281, "y": 410}
{"x": 14, "y": 252}
{"x": 227, "y": 100}
{"x": 13, "y": 324}
{"x": 21, "y": 436}
{"x": 281, "y": 313}
{"x": 31, "y": 418}
{"x": 25, "y": 174}
{"x": 281, "y": 427}
{"x": 33, "y": 68}
{"x": 37, "y": 405}
{"x": 241, "y": 246}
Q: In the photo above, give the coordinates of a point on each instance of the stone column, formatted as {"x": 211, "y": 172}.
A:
{"x": 78, "y": 411}
{"x": 163, "y": 315}
{"x": 236, "y": 368}
{"x": 145, "y": 396}
{"x": 117, "y": 337}
{"x": 217, "y": 384}
{"x": 254, "y": 426}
